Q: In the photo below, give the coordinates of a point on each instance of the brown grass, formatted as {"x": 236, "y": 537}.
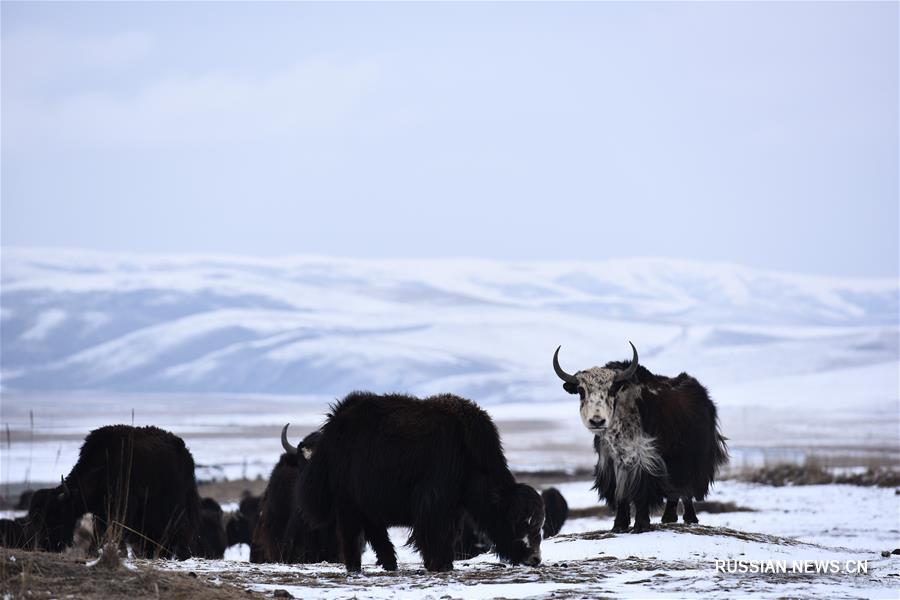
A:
{"x": 26, "y": 574}
{"x": 813, "y": 473}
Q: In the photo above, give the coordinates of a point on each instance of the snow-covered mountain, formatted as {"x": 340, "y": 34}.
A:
{"x": 76, "y": 320}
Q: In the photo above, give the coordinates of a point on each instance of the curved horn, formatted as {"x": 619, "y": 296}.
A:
{"x": 65, "y": 494}
{"x": 284, "y": 442}
{"x": 632, "y": 368}
{"x": 559, "y": 372}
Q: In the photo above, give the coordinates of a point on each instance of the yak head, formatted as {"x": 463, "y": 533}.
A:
{"x": 606, "y": 393}
{"x": 52, "y": 515}
{"x": 306, "y": 448}
{"x": 525, "y": 519}
{"x": 239, "y": 524}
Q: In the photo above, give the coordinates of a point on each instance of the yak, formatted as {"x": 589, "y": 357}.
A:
{"x": 139, "y": 484}
{"x": 211, "y": 541}
{"x": 656, "y": 438}
{"x": 281, "y": 534}
{"x": 24, "y": 500}
{"x": 472, "y": 542}
{"x": 15, "y": 533}
{"x": 386, "y": 460}
{"x": 556, "y": 511}
{"x": 239, "y": 524}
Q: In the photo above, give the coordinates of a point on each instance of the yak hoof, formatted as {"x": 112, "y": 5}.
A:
{"x": 640, "y": 527}
{"x": 390, "y": 566}
{"x": 691, "y": 520}
{"x": 667, "y": 518}
{"x": 620, "y": 528}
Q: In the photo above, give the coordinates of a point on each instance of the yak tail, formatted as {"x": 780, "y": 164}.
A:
{"x": 720, "y": 452}
{"x": 315, "y": 492}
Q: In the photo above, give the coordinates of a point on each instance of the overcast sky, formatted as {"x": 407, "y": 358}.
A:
{"x": 758, "y": 133}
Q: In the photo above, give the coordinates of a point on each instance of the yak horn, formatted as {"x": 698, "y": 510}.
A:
{"x": 559, "y": 372}
{"x": 65, "y": 494}
{"x": 632, "y": 368}
{"x": 285, "y": 443}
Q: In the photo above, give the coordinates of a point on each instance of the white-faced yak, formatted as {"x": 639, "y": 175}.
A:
{"x": 397, "y": 460}
{"x": 656, "y": 438}
{"x": 138, "y": 481}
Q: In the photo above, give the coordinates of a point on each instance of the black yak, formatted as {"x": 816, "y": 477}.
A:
{"x": 211, "y": 540}
{"x": 15, "y": 533}
{"x": 139, "y": 484}
{"x": 472, "y": 542}
{"x": 656, "y": 438}
{"x": 240, "y": 524}
{"x": 281, "y": 534}
{"x": 24, "y": 500}
{"x": 556, "y": 511}
{"x": 397, "y": 460}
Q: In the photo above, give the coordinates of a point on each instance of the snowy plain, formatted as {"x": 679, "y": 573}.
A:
{"x": 225, "y": 350}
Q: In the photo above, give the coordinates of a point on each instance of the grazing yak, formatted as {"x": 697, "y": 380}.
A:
{"x": 239, "y": 524}
{"x": 398, "y": 460}
{"x": 556, "y": 511}
{"x": 15, "y": 533}
{"x": 24, "y": 500}
{"x": 138, "y": 482}
{"x": 656, "y": 438}
{"x": 472, "y": 542}
{"x": 281, "y": 534}
{"x": 211, "y": 541}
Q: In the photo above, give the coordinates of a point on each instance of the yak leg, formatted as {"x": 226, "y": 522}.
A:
{"x": 349, "y": 528}
{"x": 381, "y": 544}
{"x": 623, "y": 517}
{"x": 671, "y": 513}
{"x": 641, "y": 513}
{"x": 689, "y": 515}
{"x": 434, "y": 537}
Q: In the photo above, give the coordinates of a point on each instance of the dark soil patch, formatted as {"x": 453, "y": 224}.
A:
{"x": 814, "y": 474}
{"x": 26, "y": 574}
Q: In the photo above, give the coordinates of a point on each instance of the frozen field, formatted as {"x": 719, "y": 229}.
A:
{"x": 223, "y": 351}
{"x": 810, "y": 523}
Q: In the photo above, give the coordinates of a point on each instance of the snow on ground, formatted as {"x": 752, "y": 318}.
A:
{"x": 224, "y": 350}
{"x": 810, "y": 523}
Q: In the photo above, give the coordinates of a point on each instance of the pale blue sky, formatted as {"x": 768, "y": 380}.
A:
{"x": 759, "y": 133}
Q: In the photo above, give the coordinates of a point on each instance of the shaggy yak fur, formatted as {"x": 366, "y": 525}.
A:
{"x": 137, "y": 482}
{"x": 240, "y": 524}
{"x": 281, "y": 534}
{"x": 14, "y": 533}
{"x": 657, "y": 438}
{"x": 397, "y": 460}
{"x": 472, "y": 542}
{"x": 556, "y": 511}
{"x": 24, "y": 500}
{"x": 211, "y": 542}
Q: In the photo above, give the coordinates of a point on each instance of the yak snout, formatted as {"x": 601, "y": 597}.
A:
{"x": 597, "y": 423}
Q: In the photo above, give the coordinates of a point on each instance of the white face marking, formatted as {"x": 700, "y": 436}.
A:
{"x": 596, "y": 404}
{"x": 307, "y": 453}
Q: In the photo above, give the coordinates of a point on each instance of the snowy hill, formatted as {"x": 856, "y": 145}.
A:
{"x": 75, "y": 320}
